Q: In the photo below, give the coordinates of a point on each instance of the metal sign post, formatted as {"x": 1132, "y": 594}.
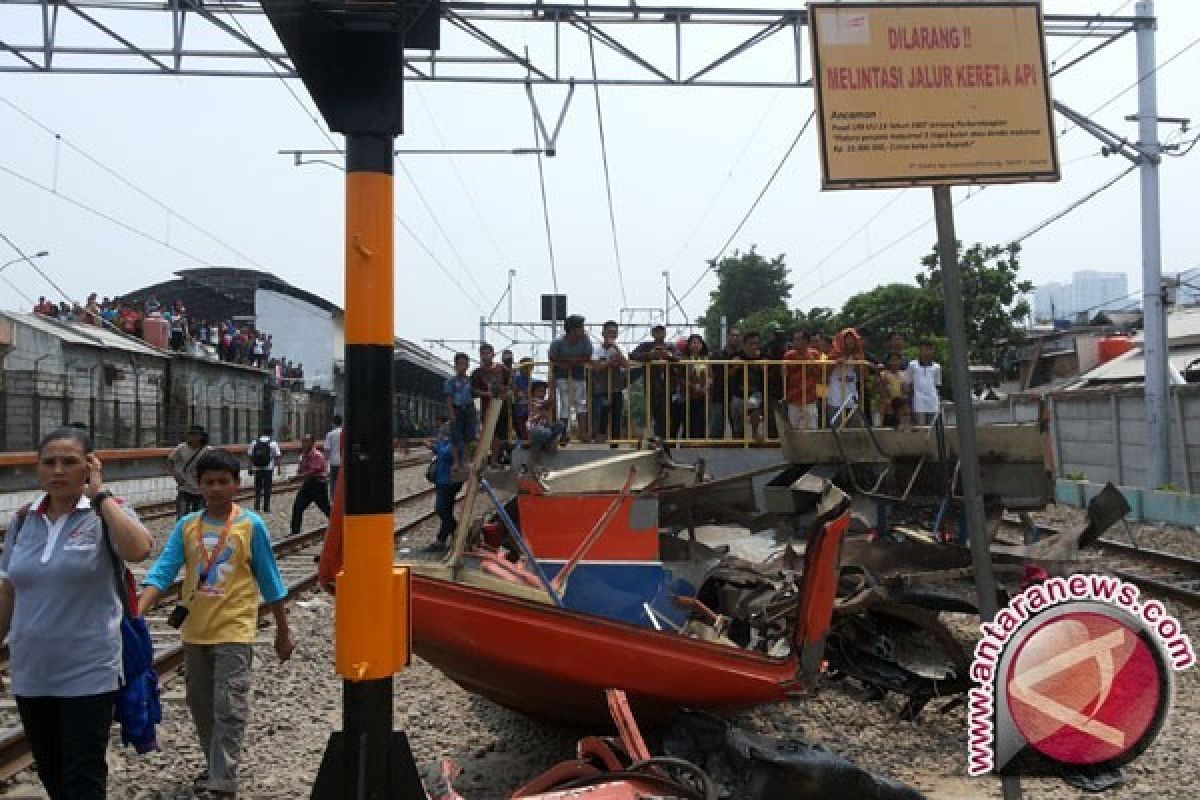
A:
{"x": 964, "y": 421}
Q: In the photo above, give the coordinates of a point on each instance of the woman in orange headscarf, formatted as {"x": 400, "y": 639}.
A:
{"x": 844, "y": 379}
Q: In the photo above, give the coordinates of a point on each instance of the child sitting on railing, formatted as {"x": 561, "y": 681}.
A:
{"x": 545, "y": 432}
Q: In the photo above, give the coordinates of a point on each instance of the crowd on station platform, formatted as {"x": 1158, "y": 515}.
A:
{"x": 682, "y": 390}
{"x": 170, "y": 327}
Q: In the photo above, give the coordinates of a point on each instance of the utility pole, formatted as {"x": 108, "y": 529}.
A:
{"x": 511, "y": 273}
{"x": 964, "y": 423}
{"x": 1157, "y": 396}
{"x": 667, "y": 298}
{"x": 482, "y": 329}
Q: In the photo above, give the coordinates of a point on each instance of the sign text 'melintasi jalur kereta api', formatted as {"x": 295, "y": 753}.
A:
{"x": 924, "y": 94}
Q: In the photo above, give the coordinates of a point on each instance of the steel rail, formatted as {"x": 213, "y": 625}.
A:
{"x": 15, "y": 754}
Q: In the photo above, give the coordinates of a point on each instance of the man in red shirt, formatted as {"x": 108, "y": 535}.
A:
{"x": 802, "y": 384}
{"x": 315, "y": 489}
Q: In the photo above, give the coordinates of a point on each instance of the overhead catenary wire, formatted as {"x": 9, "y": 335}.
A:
{"x": 750, "y": 211}
{"x": 101, "y": 214}
{"x": 892, "y": 244}
{"x": 612, "y": 214}
{"x": 1055, "y": 217}
{"x": 1081, "y": 39}
{"x": 333, "y": 144}
{"x": 537, "y": 143}
{"x": 37, "y": 267}
{"x": 437, "y": 130}
{"x": 1157, "y": 67}
{"x": 61, "y": 140}
{"x": 836, "y": 249}
{"x": 720, "y": 191}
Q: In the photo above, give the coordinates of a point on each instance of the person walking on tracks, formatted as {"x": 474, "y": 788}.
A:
{"x": 265, "y": 461}
{"x": 448, "y": 485}
{"x": 333, "y": 449}
{"x": 225, "y": 552}
{"x": 182, "y": 463}
{"x": 61, "y": 612}
{"x": 315, "y": 488}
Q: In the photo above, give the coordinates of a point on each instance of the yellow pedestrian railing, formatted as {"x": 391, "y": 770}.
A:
{"x": 694, "y": 402}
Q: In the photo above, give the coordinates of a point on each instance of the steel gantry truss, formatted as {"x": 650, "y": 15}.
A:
{"x": 483, "y": 42}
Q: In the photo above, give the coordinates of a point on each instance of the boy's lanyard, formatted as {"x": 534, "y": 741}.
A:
{"x": 210, "y": 556}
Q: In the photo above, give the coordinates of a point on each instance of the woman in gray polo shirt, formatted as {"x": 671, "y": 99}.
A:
{"x": 60, "y": 609}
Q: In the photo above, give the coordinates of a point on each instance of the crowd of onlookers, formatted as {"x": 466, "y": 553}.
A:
{"x": 683, "y": 390}
{"x": 169, "y": 326}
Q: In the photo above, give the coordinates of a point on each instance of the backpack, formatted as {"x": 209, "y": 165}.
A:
{"x": 260, "y": 454}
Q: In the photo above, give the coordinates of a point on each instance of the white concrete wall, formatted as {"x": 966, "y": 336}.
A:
{"x": 300, "y": 332}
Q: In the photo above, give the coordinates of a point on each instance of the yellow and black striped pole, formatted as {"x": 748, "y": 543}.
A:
{"x": 371, "y": 643}
{"x": 350, "y": 56}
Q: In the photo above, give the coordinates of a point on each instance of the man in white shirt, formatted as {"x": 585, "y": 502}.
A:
{"x": 333, "y": 450}
{"x": 924, "y": 375}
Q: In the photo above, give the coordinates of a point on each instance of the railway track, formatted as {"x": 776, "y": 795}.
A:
{"x": 1158, "y": 572}
{"x": 296, "y": 557}
{"x": 154, "y": 511}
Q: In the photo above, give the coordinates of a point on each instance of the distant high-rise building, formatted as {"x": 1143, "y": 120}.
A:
{"x": 1089, "y": 290}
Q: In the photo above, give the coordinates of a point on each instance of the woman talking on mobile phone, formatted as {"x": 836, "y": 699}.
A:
{"x": 61, "y": 612}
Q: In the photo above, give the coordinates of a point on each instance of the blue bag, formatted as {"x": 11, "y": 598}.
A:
{"x": 138, "y": 708}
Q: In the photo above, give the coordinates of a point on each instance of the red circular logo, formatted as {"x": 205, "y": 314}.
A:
{"x": 1086, "y": 688}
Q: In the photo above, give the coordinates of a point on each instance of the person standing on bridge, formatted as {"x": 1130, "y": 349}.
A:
{"x": 570, "y": 356}
{"x": 182, "y": 463}
{"x": 225, "y": 552}
{"x": 315, "y": 488}
{"x": 61, "y": 612}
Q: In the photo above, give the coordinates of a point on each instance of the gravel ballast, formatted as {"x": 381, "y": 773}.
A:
{"x": 297, "y": 704}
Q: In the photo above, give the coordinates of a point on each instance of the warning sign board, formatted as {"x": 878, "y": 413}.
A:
{"x": 919, "y": 94}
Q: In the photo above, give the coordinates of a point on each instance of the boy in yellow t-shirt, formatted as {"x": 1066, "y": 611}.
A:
{"x": 225, "y": 552}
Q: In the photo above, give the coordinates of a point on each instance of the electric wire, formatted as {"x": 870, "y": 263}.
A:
{"x": 894, "y": 243}
{"x": 101, "y": 214}
{"x": 59, "y": 140}
{"x": 437, "y": 223}
{"x": 333, "y": 144}
{"x": 1186, "y": 146}
{"x": 1053, "y": 218}
{"x": 1081, "y": 39}
{"x": 37, "y": 267}
{"x": 1158, "y": 67}
{"x": 537, "y": 143}
{"x": 891, "y": 202}
{"x": 750, "y": 211}
{"x": 720, "y": 191}
{"x": 437, "y": 130}
{"x": 612, "y": 214}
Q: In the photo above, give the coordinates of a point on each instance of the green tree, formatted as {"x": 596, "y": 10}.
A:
{"x": 990, "y": 289}
{"x": 760, "y": 320}
{"x": 746, "y": 283}
{"x": 818, "y": 319}
{"x": 887, "y": 308}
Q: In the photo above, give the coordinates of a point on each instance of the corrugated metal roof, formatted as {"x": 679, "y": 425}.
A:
{"x": 1183, "y": 326}
{"x": 78, "y": 333}
{"x": 1131, "y": 366}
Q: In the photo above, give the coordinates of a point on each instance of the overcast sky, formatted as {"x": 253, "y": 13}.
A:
{"x": 685, "y": 165}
